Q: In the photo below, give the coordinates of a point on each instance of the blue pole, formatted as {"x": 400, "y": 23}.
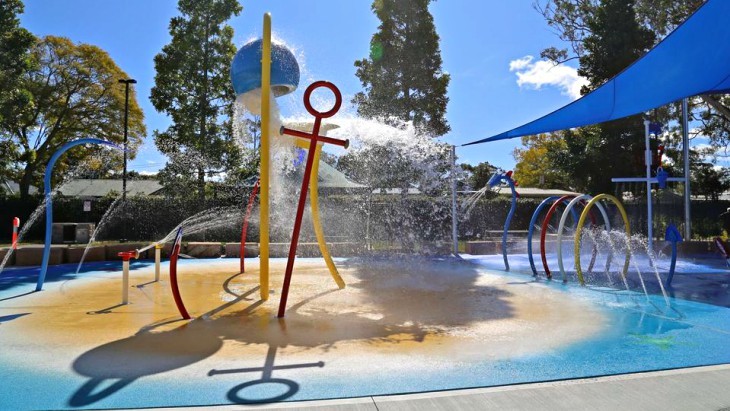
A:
{"x": 49, "y": 204}
{"x": 507, "y": 222}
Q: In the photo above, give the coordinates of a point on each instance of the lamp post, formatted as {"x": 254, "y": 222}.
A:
{"x": 126, "y": 83}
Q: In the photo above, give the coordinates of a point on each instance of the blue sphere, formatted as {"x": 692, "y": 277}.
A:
{"x": 246, "y": 69}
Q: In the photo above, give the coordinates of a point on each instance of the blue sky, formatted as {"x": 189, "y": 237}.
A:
{"x": 484, "y": 44}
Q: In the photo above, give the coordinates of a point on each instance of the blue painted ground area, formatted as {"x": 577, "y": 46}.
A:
{"x": 645, "y": 332}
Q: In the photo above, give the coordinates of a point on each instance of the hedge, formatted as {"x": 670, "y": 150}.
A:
{"x": 400, "y": 220}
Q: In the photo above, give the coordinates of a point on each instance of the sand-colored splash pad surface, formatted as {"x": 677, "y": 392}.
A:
{"x": 398, "y": 316}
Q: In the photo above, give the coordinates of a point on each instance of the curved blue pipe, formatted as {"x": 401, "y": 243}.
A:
{"x": 531, "y": 229}
{"x": 673, "y": 236}
{"x": 507, "y": 222}
{"x": 49, "y": 204}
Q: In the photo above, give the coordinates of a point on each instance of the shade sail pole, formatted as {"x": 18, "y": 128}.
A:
{"x": 685, "y": 149}
{"x": 649, "y": 210}
{"x": 454, "y": 207}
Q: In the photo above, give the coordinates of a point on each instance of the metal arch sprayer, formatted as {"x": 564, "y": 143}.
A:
{"x": 531, "y": 230}
{"x": 48, "y": 198}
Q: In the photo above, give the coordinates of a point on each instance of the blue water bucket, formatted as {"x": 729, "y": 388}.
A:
{"x": 246, "y": 69}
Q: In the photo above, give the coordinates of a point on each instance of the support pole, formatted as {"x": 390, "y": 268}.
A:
{"x": 687, "y": 192}
{"x": 126, "y": 256}
{"x": 158, "y": 257}
{"x": 265, "y": 155}
{"x": 649, "y": 209}
{"x": 454, "y": 207}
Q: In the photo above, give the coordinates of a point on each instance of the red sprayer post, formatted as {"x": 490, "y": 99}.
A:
{"x": 314, "y": 139}
{"x": 126, "y": 256}
{"x": 16, "y": 224}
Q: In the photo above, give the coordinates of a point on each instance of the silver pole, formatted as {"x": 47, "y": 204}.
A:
{"x": 649, "y": 211}
{"x": 685, "y": 144}
{"x": 454, "y": 219}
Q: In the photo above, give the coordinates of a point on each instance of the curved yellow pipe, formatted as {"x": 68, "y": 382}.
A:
{"x": 265, "y": 154}
{"x": 314, "y": 202}
{"x": 579, "y": 230}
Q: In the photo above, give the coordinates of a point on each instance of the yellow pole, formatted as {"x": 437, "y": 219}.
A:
{"x": 579, "y": 230}
{"x": 314, "y": 202}
{"x": 265, "y": 155}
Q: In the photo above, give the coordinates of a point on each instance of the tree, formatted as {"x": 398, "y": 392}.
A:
{"x": 73, "y": 92}
{"x": 192, "y": 86}
{"x": 535, "y": 162}
{"x": 610, "y": 39}
{"x": 402, "y": 78}
{"x": 15, "y": 57}
{"x": 15, "y": 60}
{"x": 709, "y": 181}
{"x": 478, "y": 175}
{"x": 569, "y": 19}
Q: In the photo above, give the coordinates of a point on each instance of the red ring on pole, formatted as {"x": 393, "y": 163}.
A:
{"x": 332, "y": 88}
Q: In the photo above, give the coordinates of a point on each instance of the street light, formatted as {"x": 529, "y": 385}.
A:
{"x": 126, "y": 83}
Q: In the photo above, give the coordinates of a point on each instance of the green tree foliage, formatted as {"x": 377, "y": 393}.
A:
{"x": 478, "y": 175}
{"x": 72, "y": 92}
{"x": 535, "y": 162}
{"x": 610, "y": 37}
{"x": 15, "y": 57}
{"x": 709, "y": 181}
{"x": 570, "y": 20}
{"x": 192, "y": 87}
{"x": 15, "y": 60}
{"x": 402, "y": 77}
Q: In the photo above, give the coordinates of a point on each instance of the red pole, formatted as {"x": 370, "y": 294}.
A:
{"x": 16, "y": 224}
{"x": 315, "y": 138}
{"x": 173, "y": 276}
{"x": 244, "y": 229}
{"x": 298, "y": 219}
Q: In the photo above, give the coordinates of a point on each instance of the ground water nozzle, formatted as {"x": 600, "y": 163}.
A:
{"x": 246, "y": 69}
{"x": 673, "y": 236}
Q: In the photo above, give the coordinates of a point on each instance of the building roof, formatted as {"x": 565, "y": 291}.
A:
{"x": 13, "y": 188}
{"x": 330, "y": 177}
{"x": 85, "y": 187}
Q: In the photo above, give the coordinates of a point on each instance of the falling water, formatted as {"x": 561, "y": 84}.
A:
{"x": 643, "y": 244}
{"x": 104, "y": 219}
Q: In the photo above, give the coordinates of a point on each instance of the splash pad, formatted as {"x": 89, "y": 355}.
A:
{"x": 402, "y": 324}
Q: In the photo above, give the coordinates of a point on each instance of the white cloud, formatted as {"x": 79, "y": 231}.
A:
{"x": 536, "y": 74}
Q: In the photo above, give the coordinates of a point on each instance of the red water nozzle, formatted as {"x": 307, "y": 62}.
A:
{"x": 127, "y": 255}
{"x": 509, "y": 174}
